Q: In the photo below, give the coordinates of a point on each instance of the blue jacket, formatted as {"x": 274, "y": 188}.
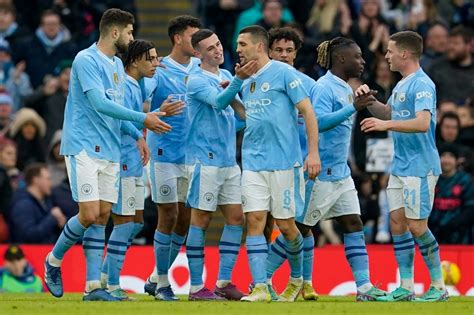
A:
{"x": 31, "y": 220}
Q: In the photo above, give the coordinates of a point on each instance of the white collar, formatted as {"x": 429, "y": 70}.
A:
{"x": 180, "y": 66}
{"x": 259, "y": 72}
{"x": 339, "y": 79}
{"x": 133, "y": 80}
{"x": 110, "y": 60}
{"x": 217, "y": 76}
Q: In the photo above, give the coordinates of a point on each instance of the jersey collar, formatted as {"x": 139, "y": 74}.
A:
{"x": 132, "y": 80}
{"x": 180, "y": 66}
{"x": 339, "y": 80}
{"x": 217, "y": 76}
{"x": 109, "y": 60}
{"x": 259, "y": 72}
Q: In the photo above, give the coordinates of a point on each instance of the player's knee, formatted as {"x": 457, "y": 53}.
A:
{"x": 88, "y": 218}
{"x": 418, "y": 227}
{"x": 351, "y": 223}
{"x": 398, "y": 225}
{"x": 235, "y": 218}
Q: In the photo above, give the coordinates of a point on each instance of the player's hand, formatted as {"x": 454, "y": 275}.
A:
{"x": 171, "y": 107}
{"x": 155, "y": 124}
{"x": 363, "y": 89}
{"x": 364, "y": 100}
{"x": 144, "y": 150}
{"x": 373, "y": 124}
{"x": 312, "y": 165}
{"x": 59, "y": 216}
{"x": 247, "y": 70}
{"x": 224, "y": 84}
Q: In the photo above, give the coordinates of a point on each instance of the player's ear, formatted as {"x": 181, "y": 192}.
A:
{"x": 197, "y": 54}
{"x": 115, "y": 32}
{"x": 177, "y": 39}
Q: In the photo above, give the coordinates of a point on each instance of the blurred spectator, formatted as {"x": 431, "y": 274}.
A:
{"x": 17, "y": 275}
{"x": 369, "y": 207}
{"x": 382, "y": 79}
{"x": 32, "y": 216}
{"x": 13, "y": 77}
{"x": 272, "y": 14}
{"x": 436, "y": 43}
{"x": 43, "y": 51}
{"x": 10, "y": 31}
{"x": 55, "y": 161}
{"x": 5, "y": 196}
{"x": 328, "y": 19}
{"x": 62, "y": 197}
{"x": 28, "y": 130}
{"x": 6, "y": 104}
{"x": 423, "y": 13}
{"x": 452, "y": 218}
{"x": 49, "y": 100}
{"x": 466, "y": 117}
{"x": 444, "y": 107}
{"x": 457, "y": 66}
{"x": 448, "y": 133}
{"x": 383, "y": 222}
{"x": 8, "y": 158}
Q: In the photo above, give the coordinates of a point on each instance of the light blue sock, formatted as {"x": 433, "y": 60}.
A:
{"x": 257, "y": 252}
{"x": 356, "y": 255}
{"x": 195, "y": 253}
{"x": 93, "y": 245}
{"x": 276, "y": 255}
{"x": 404, "y": 247}
{"x": 161, "y": 245}
{"x": 308, "y": 256}
{"x": 176, "y": 242}
{"x": 430, "y": 251}
{"x": 137, "y": 227}
{"x": 294, "y": 251}
{"x": 72, "y": 232}
{"x": 229, "y": 246}
{"x": 116, "y": 250}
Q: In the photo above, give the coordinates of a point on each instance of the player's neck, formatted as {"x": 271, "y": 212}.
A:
{"x": 134, "y": 74}
{"x": 409, "y": 68}
{"x": 106, "y": 47}
{"x": 179, "y": 57}
{"x": 262, "y": 61}
{"x": 210, "y": 68}
{"x": 340, "y": 74}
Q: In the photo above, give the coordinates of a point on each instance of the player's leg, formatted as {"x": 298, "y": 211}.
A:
{"x": 202, "y": 198}
{"x": 403, "y": 242}
{"x": 287, "y": 190}
{"x": 256, "y": 203}
{"x": 83, "y": 178}
{"x": 418, "y": 205}
{"x": 308, "y": 291}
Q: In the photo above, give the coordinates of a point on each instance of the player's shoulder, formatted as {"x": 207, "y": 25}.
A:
{"x": 84, "y": 56}
{"x": 226, "y": 74}
{"x": 281, "y": 66}
{"x": 307, "y": 80}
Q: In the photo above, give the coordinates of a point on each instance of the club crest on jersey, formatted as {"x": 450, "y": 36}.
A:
{"x": 252, "y": 87}
{"x": 402, "y": 97}
{"x": 351, "y": 99}
{"x": 116, "y": 78}
{"x": 265, "y": 87}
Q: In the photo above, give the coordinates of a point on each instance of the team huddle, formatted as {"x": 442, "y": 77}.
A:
{"x": 294, "y": 173}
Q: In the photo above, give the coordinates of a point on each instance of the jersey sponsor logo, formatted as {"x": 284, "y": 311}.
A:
{"x": 265, "y": 87}
{"x": 115, "y": 95}
{"x": 209, "y": 197}
{"x": 131, "y": 202}
{"x": 256, "y": 106}
{"x": 401, "y": 113}
{"x": 86, "y": 189}
{"x": 423, "y": 94}
{"x": 295, "y": 83}
{"x": 252, "y": 87}
{"x": 165, "y": 190}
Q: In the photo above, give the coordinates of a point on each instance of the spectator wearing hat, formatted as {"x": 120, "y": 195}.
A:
{"x": 55, "y": 161}
{"x": 452, "y": 218}
{"x": 17, "y": 275}
{"x": 6, "y": 103}
{"x": 49, "y": 100}
{"x": 13, "y": 78}
{"x": 28, "y": 130}
{"x": 33, "y": 219}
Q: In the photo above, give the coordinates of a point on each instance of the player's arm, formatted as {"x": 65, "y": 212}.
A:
{"x": 313, "y": 162}
{"x": 421, "y": 123}
{"x": 239, "y": 109}
{"x": 376, "y": 108}
{"x": 323, "y": 104}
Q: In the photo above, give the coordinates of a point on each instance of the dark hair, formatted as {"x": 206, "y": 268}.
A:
{"x": 115, "y": 17}
{"x": 48, "y": 13}
{"x": 327, "y": 50}
{"x": 462, "y": 31}
{"x": 286, "y": 33}
{"x": 265, "y": 2}
{"x": 410, "y": 41}
{"x": 180, "y": 23}
{"x": 450, "y": 115}
{"x": 13, "y": 253}
{"x": 136, "y": 50}
{"x": 33, "y": 170}
{"x": 9, "y": 8}
{"x": 200, "y": 35}
{"x": 258, "y": 33}
{"x": 448, "y": 148}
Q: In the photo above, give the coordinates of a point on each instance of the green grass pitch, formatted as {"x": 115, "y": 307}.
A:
{"x": 71, "y": 304}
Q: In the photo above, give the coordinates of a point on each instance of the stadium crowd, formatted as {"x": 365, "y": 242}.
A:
{"x": 37, "y": 46}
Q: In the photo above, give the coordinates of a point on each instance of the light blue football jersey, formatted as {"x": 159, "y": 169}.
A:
{"x": 271, "y": 140}
{"x": 85, "y": 128}
{"x": 310, "y": 86}
{"x": 211, "y": 136}
{"x": 332, "y": 95}
{"x": 415, "y": 154}
{"x": 170, "y": 147}
{"x": 130, "y": 160}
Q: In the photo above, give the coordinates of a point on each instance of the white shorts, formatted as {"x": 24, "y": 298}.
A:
{"x": 415, "y": 194}
{"x": 280, "y": 192}
{"x": 211, "y": 186}
{"x": 92, "y": 179}
{"x": 131, "y": 196}
{"x": 325, "y": 200}
{"x": 169, "y": 182}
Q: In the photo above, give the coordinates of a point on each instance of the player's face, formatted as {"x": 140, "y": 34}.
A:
{"x": 394, "y": 56}
{"x": 283, "y": 50}
{"x": 211, "y": 51}
{"x": 354, "y": 61}
{"x": 124, "y": 39}
{"x": 448, "y": 162}
{"x": 147, "y": 65}
{"x": 246, "y": 49}
{"x": 184, "y": 41}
